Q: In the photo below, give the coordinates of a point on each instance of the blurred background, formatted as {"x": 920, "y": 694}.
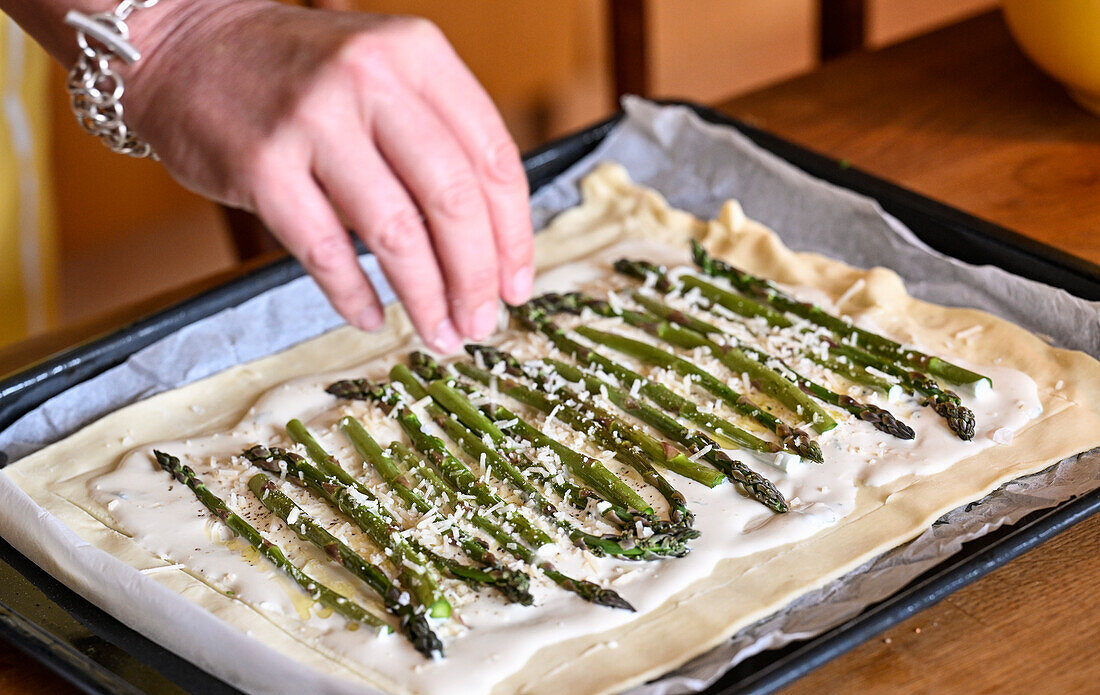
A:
{"x": 126, "y": 231}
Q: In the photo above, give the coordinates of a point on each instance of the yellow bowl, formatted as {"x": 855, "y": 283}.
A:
{"x": 1063, "y": 38}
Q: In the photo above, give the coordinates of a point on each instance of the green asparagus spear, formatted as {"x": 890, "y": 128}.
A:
{"x": 764, "y": 378}
{"x": 468, "y": 431}
{"x": 603, "y": 428}
{"x": 413, "y": 623}
{"x": 854, "y": 373}
{"x": 759, "y": 487}
{"x": 879, "y": 418}
{"x": 459, "y": 478}
{"x": 726, "y": 432}
{"x": 893, "y": 357}
{"x": 442, "y": 491}
{"x": 569, "y": 491}
{"x": 317, "y": 591}
{"x": 595, "y": 474}
{"x": 762, "y": 289}
{"x": 586, "y": 590}
{"x": 359, "y": 504}
{"x": 945, "y": 403}
{"x": 699, "y": 443}
{"x": 662, "y": 452}
{"x": 448, "y": 466}
{"x": 733, "y": 302}
{"x": 856, "y": 344}
{"x": 792, "y": 438}
{"x": 510, "y": 583}
{"x": 592, "y": 472}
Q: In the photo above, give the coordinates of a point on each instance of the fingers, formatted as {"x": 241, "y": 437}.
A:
{"x": 460, "y": 102}
{"x": 436, "y": 172}
{"x": 299, "y": 214}
{"x": 362, "y": 186}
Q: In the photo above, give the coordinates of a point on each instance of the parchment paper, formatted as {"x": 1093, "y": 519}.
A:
{"x": 697, "y": 166}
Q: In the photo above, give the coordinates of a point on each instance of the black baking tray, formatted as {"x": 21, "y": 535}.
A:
{"x": 98, "y": 654}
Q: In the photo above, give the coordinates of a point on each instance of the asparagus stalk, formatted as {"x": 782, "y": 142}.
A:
{"x": 857, "y": 344}
{"x": 316, "y": 590}
{"x": 626, "y": 502}
{"x": 609, "y": 485}
{"x": 945, "y": 403}
{"x": 758, "y": 487}
{"x": 742, "y": 306}
{"x": 762, "y": 289}
{"x": 534, "y": 315}
{"x": 422, "y": 582}
{"x": 589, "y": 591}
{"x": 458, "y": 478}
{"x": 591, "y": 471}
{"x": 413, "y": 623}
{"x": 666, "y": 538}
{"x": 441, "y": 490}
{"x": 472, "y": 425}
{"x": 697, "y": 442}
{"x": 596, "y": 423}
{"x": 447, "y": 465}
{"x": 383, "y": 463}
{"x": 892, "y": 357}
{"x": 881, "y": 419}
{"x": 792, "y": 438}
{"x": 854, "y": 373}
{"x": 726, "y": 432}
{"x": 662, "y": 452}
{"x": 764, "y": 378}
{"x": 362, "y": 507}
{"x": 512, "y": 584}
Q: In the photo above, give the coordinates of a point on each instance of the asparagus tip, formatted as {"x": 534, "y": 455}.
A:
{"x": 491, "y": 356}
{"x": 420, "y": 634}
{"x": 600, "y": 596}
{"x": 514, "y": 585}
{"x": 354, "y": 389}
{"x": 699, "y": 254}
{"x": 884, "y": 421}
{"x": 425, "y": 366}
{"x": 960, "y": 419}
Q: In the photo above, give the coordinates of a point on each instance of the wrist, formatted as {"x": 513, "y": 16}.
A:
{"x": 163, "y": 34}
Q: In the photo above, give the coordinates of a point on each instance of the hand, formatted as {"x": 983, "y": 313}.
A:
{"x": 312, "y": 119}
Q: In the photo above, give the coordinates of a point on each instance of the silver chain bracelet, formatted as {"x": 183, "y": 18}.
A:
{"x": 96, "y": 90}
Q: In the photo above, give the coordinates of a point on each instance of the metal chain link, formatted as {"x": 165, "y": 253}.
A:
{"x": 94, "y": 88}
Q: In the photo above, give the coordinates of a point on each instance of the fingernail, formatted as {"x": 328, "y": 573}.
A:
{"x": 446, "y": 338}
{"x": 484, "y": 321}
{"x": 370, "y": 319}
{"x": 522, "y": 283}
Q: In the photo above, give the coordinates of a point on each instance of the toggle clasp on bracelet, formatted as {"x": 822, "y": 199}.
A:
{"x": 106, "y": 29}
{"x": 94, "y": 87}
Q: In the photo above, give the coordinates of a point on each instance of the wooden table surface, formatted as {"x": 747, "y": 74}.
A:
{"x": 960, "y": 116}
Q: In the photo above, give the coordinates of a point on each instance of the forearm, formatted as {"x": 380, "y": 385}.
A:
{"x": 44, "y": 21}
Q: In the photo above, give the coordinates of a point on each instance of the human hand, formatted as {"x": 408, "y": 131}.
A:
{"x": 311, "y": 118}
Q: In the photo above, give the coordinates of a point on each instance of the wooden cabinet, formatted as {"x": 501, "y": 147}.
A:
{"x": 707, "y": 50}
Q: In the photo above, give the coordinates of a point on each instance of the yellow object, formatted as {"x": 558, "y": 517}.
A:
{"x": 27, "y": 253}
{"x": 1063, "y": 38}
